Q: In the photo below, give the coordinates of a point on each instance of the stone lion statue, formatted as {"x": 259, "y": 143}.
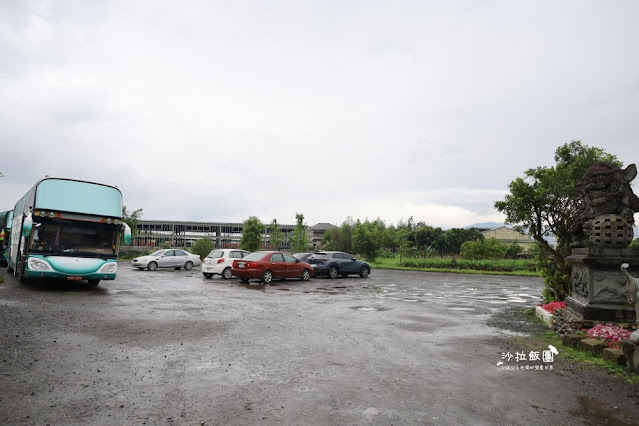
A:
{"x": 605, "y": 190}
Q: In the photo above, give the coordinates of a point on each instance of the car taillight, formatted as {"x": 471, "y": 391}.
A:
{"x": 251, "y": 264}
{"x": 221, "y": 260}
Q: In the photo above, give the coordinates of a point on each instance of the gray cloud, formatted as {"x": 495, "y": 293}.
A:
{"x": 220, "y": 111}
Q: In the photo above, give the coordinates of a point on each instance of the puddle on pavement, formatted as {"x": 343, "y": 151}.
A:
{"x": 124, "y": 292}
{"x": 284, "y": 289}
{"x": 513, "y": 333}
{"x": 370, "y": 308}
{"x": 254, "y": 287}
{"x": 594, "y": 412}
{"x": 323, "y": 291}
{"x": 461, "y": 309}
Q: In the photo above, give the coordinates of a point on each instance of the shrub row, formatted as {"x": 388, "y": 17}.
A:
{"x": 503, "y": 265}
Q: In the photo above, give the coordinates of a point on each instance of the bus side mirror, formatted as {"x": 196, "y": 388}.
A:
{"x": 27, "y": 225}
{"x": 127, "y": 233}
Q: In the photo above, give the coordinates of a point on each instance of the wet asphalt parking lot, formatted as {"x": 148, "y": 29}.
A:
{"x": 171, "y": 347}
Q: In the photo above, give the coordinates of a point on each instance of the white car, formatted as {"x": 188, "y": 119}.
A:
{"x": 167, "y": 258}
{"x": 220, "y": 262}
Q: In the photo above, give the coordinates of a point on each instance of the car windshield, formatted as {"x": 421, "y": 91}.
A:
{"x": 215, "y": 254}
{"x": 158, "y": 253}
{"x": 320, "y": 254}
{"x": 258, "y": 255}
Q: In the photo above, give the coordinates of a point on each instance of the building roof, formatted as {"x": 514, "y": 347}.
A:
{"x": 323, "y": 226}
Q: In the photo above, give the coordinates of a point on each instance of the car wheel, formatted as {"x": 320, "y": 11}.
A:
{"x": 306, "y": 275}
{"x": 332, "y": 272}
{"x": 94, "y": 282}
{"x": 267, "y": 277}
{"x": 188, "y": 265}
{"x": 244, "y": 280}
{"x": 226, "y": 273}
{"x": 152, "y": 266}
{"x": 364, "y": 272}
{"x": 207, "y": 275}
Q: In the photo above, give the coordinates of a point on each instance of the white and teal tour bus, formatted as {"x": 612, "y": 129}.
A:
{"x": 67, "y": 229}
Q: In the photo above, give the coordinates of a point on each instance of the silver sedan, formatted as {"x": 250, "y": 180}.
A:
{"x": 167, "y": 258}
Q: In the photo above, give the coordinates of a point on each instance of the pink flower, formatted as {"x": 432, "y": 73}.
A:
{"x": 610, "y": 334}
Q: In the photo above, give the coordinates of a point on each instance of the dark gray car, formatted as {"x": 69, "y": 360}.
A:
{"x": 334, "y": 263}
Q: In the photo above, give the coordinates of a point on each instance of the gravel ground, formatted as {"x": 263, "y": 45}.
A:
{"x": 171, "y": 347}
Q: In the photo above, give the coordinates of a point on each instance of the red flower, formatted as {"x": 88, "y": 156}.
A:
{"x": 553, "y": 306}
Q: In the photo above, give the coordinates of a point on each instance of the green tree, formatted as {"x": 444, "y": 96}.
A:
{"x": 483, "y": 249}
{"x": 202, "y": 247}
{"x": 546, "y": 201}
{"x": 276, "y": 235}
{"x": 299, "y": 240}
{"x": 634, "y": 243}
{"x": 450, "y": 241}
{"x": 252, "y": 234}
{"x": 426, "y": 236}
{"x": 368, "y": 237}
{"x": 132, "y": 219}
{"x": 513, "y": 250}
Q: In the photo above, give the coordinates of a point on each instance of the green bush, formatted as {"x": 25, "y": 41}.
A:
{"x": 503, "y": 265}
{"x": 484, "y": 249}
{"x": 202, "y": 247}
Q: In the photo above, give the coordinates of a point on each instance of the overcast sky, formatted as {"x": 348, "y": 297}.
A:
{"x": 221, "y": 110}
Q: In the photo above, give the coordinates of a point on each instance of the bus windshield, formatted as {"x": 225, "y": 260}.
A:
{"x": 64, "y": 237}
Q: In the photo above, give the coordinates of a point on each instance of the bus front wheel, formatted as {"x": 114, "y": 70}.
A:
{"x": 20, "y": 271}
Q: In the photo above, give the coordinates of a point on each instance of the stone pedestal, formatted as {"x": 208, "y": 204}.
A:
{"x": 599, "y": 290}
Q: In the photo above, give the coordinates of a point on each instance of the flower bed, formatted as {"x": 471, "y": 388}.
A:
{"x": 609, "y": 333}
{"x": 553, "y": 306}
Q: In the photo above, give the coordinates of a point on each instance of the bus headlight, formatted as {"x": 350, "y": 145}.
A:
{"x": 36, "y": 264}
{"x": 109, "y": 268}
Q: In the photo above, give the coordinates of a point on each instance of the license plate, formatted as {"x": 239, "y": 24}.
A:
{"x": 74, "y": 278}
{"x": 241, "y": 264}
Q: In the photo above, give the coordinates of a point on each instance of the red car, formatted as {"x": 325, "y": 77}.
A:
{"x": 269, "y": 265}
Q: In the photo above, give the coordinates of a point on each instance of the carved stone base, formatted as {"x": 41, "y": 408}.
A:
{"x": 600, "y": 312}
{"x": 599, "y": 290}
